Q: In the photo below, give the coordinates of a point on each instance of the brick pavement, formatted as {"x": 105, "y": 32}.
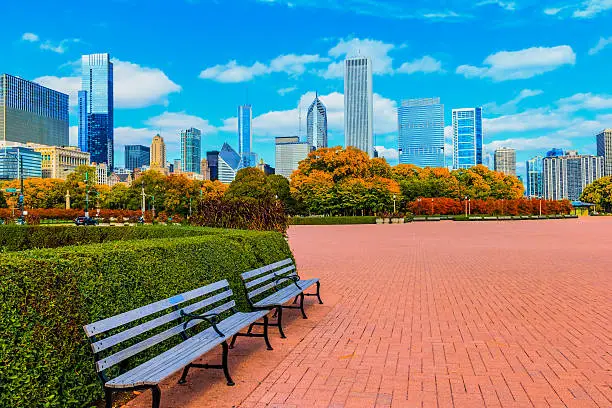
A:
{"x": 510, "y": 314}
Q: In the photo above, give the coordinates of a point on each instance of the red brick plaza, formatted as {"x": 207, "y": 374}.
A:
{"x": 447, "y": 314}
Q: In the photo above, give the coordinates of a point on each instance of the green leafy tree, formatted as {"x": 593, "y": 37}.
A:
{"x": 3, "y": 203}
{"x": 250, "y": 182}
{"x": 599, "y": 193}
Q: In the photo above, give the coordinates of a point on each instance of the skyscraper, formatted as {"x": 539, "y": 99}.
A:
{"x": 229, "y": 162}
{"x": 533, "y": 182}
{"x": 467, "y": 137}
{"x": 19, "y": 162}
{"x": 289, "y": 153}
{"x": 604, "y": 149}
{"x": 137, "y": 156}
{"x": 245, "y": 136}
{"x": 191, "y": 140}
{"x": 421, "y": 132}
{"x": 358, "y": 104}
{"x": 316, "y": 124}
{"x": 96, "y": 124}
{"x": 505, "y": 161}
{"x": 29, "y": 112}
{"x": 212, "y": 159}
{"x": 567, "y": 176}
{"x": 157, "y": 159}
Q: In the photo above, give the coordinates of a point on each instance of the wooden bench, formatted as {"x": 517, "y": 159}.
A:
{"x": 261, "y": 281}
{"x": 118, "y": 338}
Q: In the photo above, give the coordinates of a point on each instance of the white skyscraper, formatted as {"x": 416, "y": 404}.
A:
{"x": 289, "y": 153}
{"x": 358, "y": 104}
{"x": 505, "y": 161}
{"x": 317, "y": 124}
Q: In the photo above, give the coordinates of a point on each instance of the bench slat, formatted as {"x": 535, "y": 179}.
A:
{"x": 285, "y": 294}
{"x": 159, "y": 321}
{"x": 269, "y": 276}
{"x": 261, "y": 290}
{"x": 267, "y": 268}
{"x": 110, "y": 323}
{"x": 153, "y": 340}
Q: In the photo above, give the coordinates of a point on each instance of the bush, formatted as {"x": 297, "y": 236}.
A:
{"x": 46, "y": 296}
{"x": 22, "y": 237}
{"x": 331, "y": 220}
{"x": 521, "y": 206}
{"x": 241, "y": 213}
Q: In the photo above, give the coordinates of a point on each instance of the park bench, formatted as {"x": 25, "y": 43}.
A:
{"x": 118, "y": 338}
{"x": 278, "y": 283}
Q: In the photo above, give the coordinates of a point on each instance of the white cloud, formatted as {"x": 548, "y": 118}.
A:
{"x": 232, "y": 72}
{"x": 532, "y": 119}
{"x": 443, "y": 15}
{"x": 377, "y": 50}
{"x": 391, "y": 154}
{"x": 426, "y": 64}
{"x": 506, "y": 5}
{"x": 528, "y": 144}
{"x": 591, "y": 8}
{"x": 31, "y": 37}
{"x": 553, "y": 11}
{"x": 135, "y": 86}
{"x": 585, "y": 101}
{"x": 74, "y": 136}
{"x": 511, "y": 105}
{"x": 173, "y": 122}
{"x": 526, "y": 63}
{"x": 601, "y": 44}
{"x": 285, "y": 91}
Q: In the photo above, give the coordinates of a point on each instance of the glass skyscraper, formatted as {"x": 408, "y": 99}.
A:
{"x": 191, "y": 140}
{"x": 289, "y": 153}
{"x": 316, "y": 123}
{"x": 228, "y": 164}
{"x": 137, "y": 156}
{"x": 533, "y": 182}
{"x": 29, "y": 112}
{"x": 567, "y": 176}
{"x": 467, "y": 137}
{"x": 245, "y": 136}
{"x": 358, "y": 104}
{"x": 96, "y": 124}
{"x": 421, "y": 132}
{"x": 14, "y": 160}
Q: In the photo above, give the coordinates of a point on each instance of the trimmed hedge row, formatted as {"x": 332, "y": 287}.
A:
{"x": 332, "y": 220}
{"x": 46, "y": 296}
{"x": 23, "y": 237}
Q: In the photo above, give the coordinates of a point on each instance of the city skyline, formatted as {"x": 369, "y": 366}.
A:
{"x": 556, "y": 102}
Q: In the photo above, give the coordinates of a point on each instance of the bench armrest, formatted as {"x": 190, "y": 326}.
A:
{"x": 212, "y": 319}
{"x": 295, "y": 279}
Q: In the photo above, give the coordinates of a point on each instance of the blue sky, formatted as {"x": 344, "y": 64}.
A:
{"x": 540, "y": 69}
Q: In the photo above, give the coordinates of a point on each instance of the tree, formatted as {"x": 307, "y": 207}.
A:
{"x": 314, "y": 190}
{"x": 279, "y": 186}
{"x": 338, "y": 162}
{"x": 119, "y": 198}
{"x": 599, "y": 193}
{"x": 180, "y": 195}
{"x": 250, "y": 182}
{"x": 212, "y": 190}
{"x": 2, "y": 200}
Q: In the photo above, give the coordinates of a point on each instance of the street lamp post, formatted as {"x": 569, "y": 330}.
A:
{"x": 540, "y": 199}
{"x": 466, "y": 204}
{"x": 87, "y": 194}
{"x": 432, "y": 209}
{"x": 419, "y": 206}
{"x": 469, "y": 206}
{"x": 143, "y": 200}
{"x": 153, "y": 209}
{"x": 394, "y": 197}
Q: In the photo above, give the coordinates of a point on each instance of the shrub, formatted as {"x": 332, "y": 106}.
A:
{"x": 241, "y": 213}
{"x": 331, "y": 220}
{"x": 46, "y": 296}
{"x": 521, "y": 206}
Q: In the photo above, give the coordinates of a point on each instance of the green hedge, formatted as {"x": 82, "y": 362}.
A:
{"x": 331, "y": 220}
{"x": 46, "y": 296}
{"x": 23, "y": 237}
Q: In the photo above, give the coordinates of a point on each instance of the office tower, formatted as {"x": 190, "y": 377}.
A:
{"x": 604, "y": 149}
{"x": 96, "y": 124}
{"x": 467, "y": 137}
{"x": 534, "y": 177}
{"x": 212, "y": 158}
{"x": 29, "y": 112}
{"x": 18, "y": 161}
{"x": 421, "y": 132}
{"x": 157, "y": 159}
{"x": 316, "y": 123}
{"x": 358, "y": 104}
{"x": 289, "y": 153}
{"x": 505, "y": 161}
{"x": 58, "y": 162}
{"x": 564, "y": 177}
{"x": 101, "y": 174}
{"x": 229, "y": 162}
{"x": 191, "y": 140}
{"x": 245, "y": 136}
{"x": 137, "y": 156}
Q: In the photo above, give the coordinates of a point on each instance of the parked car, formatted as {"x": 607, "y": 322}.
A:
{"x": 82, "y": 220}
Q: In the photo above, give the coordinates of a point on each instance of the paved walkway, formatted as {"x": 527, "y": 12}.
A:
{"x": 449, "y": 314}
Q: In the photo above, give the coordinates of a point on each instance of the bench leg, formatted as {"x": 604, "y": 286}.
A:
{"x": 265, "y": 332}
{"x": 319, "y": 293}
{"x": 183, "y": 379}
{"x": 233, "y": 341}
{"x": 108, "y": 397}
{"x": 230, "y": 382}
{"x": 279, "y": 321}
{"x": 296, "y": 299}
{"x": 156, "y": 397}
{"x": 302, "y": 306}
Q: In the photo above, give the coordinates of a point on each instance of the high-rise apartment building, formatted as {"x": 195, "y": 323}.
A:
{"x": 29, "y": 112}
{"x": 229, "y": 162}
{"x": 421, "y": 132}
{"x": 289, "y": 153}
{"x": 604, "y": 149}
{"x": 533, "y": 181}
{"x": 245, "y": 136}
{"x": 467, "y": 137}
{"x": 157, "y": 159}
{"x": 191, "y": 141}
{"x": 358, "y": 104}
{"x": 316, "y": 124}
{"x": 96, "y": 123}
{"x": 137, "y": 156}
{"x": 565, "y": 177}
{"x": 101, "y": 174}
{"x": 504, "y": 160}
{"x": 58, "y": 162}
